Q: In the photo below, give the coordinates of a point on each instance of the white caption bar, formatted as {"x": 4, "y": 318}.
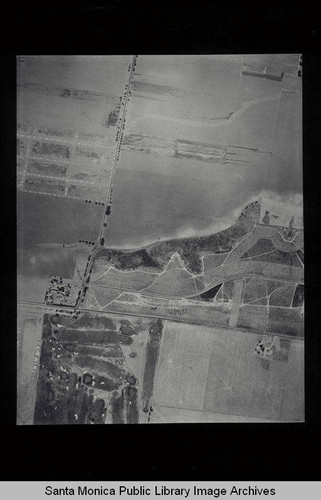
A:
{"x": 192, "y": 490}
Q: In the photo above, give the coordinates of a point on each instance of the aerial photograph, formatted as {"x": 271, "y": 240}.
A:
{"x": 160, "y": 245}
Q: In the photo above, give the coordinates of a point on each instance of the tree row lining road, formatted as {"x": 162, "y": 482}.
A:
{"x": 109, "y": 191}
{"x": 143, "y": 315}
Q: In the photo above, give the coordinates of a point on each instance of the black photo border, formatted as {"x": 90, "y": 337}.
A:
{"x": 161, "y": 451}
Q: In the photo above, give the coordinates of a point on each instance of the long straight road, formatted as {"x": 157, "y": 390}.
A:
{"x": 119, "y": 136}
{"x": 53, "y": 309}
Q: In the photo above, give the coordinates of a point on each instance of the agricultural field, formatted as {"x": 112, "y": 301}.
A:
{"x": 43, "y": 220}
{"x": 29, "y": 329}
{"x": 135, "y": 280}
{"x": 233, "y": 378}
{"x": 31, "y": 288}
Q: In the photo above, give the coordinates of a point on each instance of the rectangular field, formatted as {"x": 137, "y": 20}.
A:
{"x": 231, "y": 377}
{"x": 31, "y": 288}
{"x": 29, "y": 325}
{"x": 50, "y": 219}
{"x": 181, "y": 380}
{"x": 240, "y": 383}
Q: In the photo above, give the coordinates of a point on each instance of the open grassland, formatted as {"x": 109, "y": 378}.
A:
{"x": 286, "y": 321}
{"x": 170, "y": 415}
{"x": 31, "y": 288}
{"x": 29, "y": 328}
{"x": 245, "y": 128}
{"x": 285, "y": 172}
{"x": 232, "y": 378}
{"x": 181, "y": 378}
{"x": 103, "y": 296}
{"x": 240, "y": 383}
{"x": 135, "y": 280}
{"x": 252, "y": 317}
{"x": 86, "y": 192}
{"x": 67, "y": 126}
{"x": 173, "y": 283}
{"x": 50, "y": 219}
{"x": 174, "y": 203}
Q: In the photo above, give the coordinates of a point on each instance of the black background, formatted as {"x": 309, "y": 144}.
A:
{"x": 167, "y": 451}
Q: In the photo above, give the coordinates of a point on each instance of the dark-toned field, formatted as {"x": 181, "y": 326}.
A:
{"x": 152, "y": 353}
{"x": 43, "y": 261}
{"x": 49, "y": 219}
{"x": 131, "y": 405}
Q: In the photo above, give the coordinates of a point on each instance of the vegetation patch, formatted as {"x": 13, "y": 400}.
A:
{"x": 209, "y": 295}
{"x": 158, "y": 255}
{"x": 152, "y": 351}
{"x": 117, "y": 407}
{"x": 298, "y": 297}
{"x": 285, "y": 321}
{"x": 91, "y": 337}
{"x": 47, "y": 169}
{"x": 262, "y": 246}
{"x": 89, "y": 321}
{"x": 49, "y": 148}
{"x": 131, "y": 404}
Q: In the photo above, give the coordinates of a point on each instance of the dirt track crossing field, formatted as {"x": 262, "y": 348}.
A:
{"x": 232, "y": 378}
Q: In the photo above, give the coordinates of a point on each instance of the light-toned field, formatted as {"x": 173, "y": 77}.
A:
{"x": 84, "y": 191}
{"x": 286, "y": 321}
{"x": 179, "y": 107}
{"x": 281, "y": 213}
{"x": 104, "y": 296}
{"x": 175, "y": 282}
{"x": 282, "y": 296}
{"x": 135, "y": 280}
{"x": 31, "y": 288}
{"x": 273, "y": 270}
{"x": 67, "y": 125}
{"x": 162, "y": 208}
{"x": 29, "y": 329}
{"x": 253, "y": 317}
{"x": 183, "y": 366}
{"x": 76, "y": 72}
{"x": 188, "y": 311}
{"x": 218, "y": 372}
{"x": 240, "y": 384}
{"x": 285, "y": 175}
{"x": 168, "y": 415}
